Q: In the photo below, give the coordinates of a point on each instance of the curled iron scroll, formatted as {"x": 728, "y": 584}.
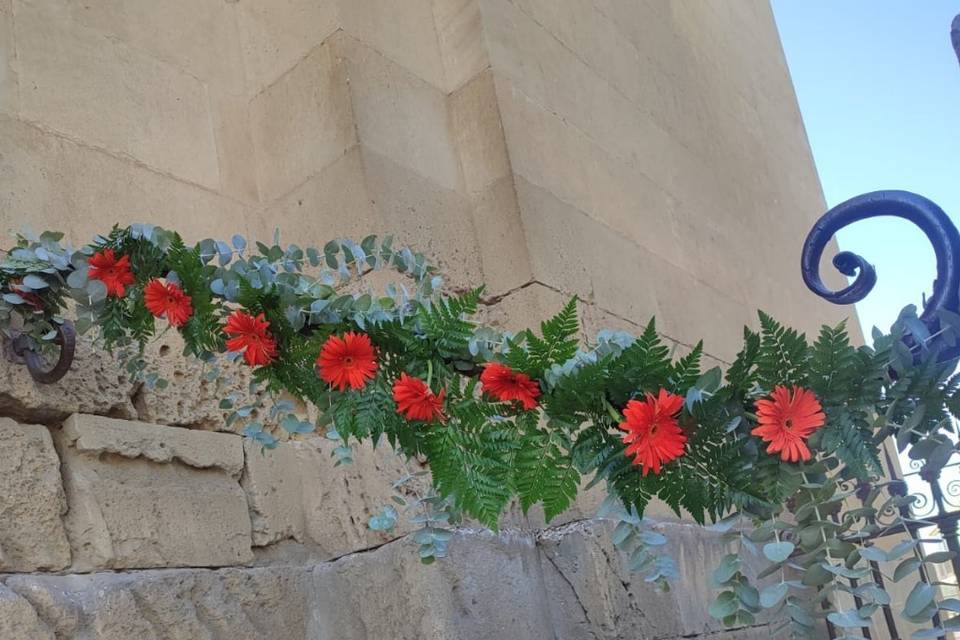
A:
{"x": 930, "y": 218}
{"x": 24, "y": 347}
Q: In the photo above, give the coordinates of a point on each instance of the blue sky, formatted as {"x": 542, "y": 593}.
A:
{"x": 879, "y": 88}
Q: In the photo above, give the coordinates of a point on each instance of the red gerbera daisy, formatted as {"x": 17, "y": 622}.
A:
{"x": 506, "y": 385}
{"x": 167, "y": 299}
{"x": 653, "y": 433}
{"x": 114, "y": 272}
{"x": 252, "y": 336}
{"x": 347, "y": 361}
{"x": 787, "y": 420}
{"x": 415, "y": 401}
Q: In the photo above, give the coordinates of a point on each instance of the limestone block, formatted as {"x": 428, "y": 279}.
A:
{"x": 199, "y": 449}
{"x": 199, "y": 36}
{"x": 18, "y": 620}
{"x": 489, "y": 587}
{"x": 475, "y": 120}
{"x": 404, "y": 30}
{"x": 32, "y": 501}
{"x": 460, "y": 35}
{"x": 420, "y": 213}
{"x": 235, "y": 155}
{"x": 190, "y": 399}
{"x": 9, "y": 85}
{"x": 385, "y": 593}
{"x": 561, "y": 159}
{"x": 184, "y": 604}
{"x": 296, "y": 492}
{"x": 332, "y": 204}
{"x": 58, "y": 184}
{"x": 501, "y": 239}
{"x": 149, "y": 496}
{"x": 94, "y": 384}
{"x": 94, "y": 89}
{"x": 564, "y": 85}
{"x": 592, "y": 593}
{"x": 276, "y": 34}
{"x": 398, "y": 114}
{"x": 596, "y": 39}
{"x": 301, "y": 123}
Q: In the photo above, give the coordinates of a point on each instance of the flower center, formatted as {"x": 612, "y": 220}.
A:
{"x": 348, "y": 360}
{"x": 788, "y": 424}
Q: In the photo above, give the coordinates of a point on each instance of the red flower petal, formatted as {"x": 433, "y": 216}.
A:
{"x": 252, "y": 336}
{"x": 348, "y": 361}
{"x": 415, "y": 401}
{"x": 506, "y": 385}
{"x": 114, "y": 273}
{"x": 787, "y": 420}
{"x": 653, "y": 434}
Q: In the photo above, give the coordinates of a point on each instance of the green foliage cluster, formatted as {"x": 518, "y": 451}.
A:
{"x": 796, "y": 518}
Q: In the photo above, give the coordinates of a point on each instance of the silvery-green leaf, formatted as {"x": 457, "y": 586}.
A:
{"x": 724, "y": 605}
{"x": 34, "y": 282}
{"x": 778, "y": 551}
{"x": 919, "y": 599}
{"x": 771, "y": 595}
{"x": 873, "y": 554}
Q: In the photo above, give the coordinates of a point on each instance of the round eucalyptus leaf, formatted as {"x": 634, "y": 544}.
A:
{"x": 771, "y": 595}
{"x": 778, "y": 551}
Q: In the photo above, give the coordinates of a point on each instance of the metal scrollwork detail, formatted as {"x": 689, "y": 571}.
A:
{"x": 929, "y": 217}
{"x": 24, "y": 347}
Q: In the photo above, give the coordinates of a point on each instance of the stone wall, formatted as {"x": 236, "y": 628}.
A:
{"x": 647, "y": 156}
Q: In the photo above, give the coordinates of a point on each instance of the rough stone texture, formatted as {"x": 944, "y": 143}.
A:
{"x": 31, "y": 501}
{"x": 230, "y": 604}
{"x": 18, "y": 620}
{"x": 97, "y": 385}
{"x": 94, "y": 384}
{"x": 151, "y": 496}
{"x": 296, "y": 492}
{"x": 593, "y": 594}
{"x": 190, "y": 399}
{"x": 570, "y": 585}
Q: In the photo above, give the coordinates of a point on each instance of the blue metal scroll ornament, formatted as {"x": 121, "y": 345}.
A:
{"x": 930, "y": 218}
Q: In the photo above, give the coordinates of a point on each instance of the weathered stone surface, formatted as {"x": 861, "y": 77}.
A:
{"x": 296, "y": 492}
{"x": 199, "y": 449}
{"x": 195, "y": 604}
{"x": 32, "y": 500}
{"x": 190, "y": 399}
{"x": 97, "y": 385}
{"x": 127, "y": 510}
{"x": 73, "y": 72}
{"x": 18, "y": 620}
{"x": 301, "y": 123}
{"x": 94, "y": 384}
{"x": 592, "y": 593}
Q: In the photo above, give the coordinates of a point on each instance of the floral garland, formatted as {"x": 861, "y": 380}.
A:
{"x": 773, "y": 451}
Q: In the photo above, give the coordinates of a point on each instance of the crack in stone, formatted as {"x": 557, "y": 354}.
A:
{"x": 573, "y": 590}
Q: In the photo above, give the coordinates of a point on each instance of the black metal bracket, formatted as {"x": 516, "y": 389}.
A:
{"x": 26, "y": 350}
